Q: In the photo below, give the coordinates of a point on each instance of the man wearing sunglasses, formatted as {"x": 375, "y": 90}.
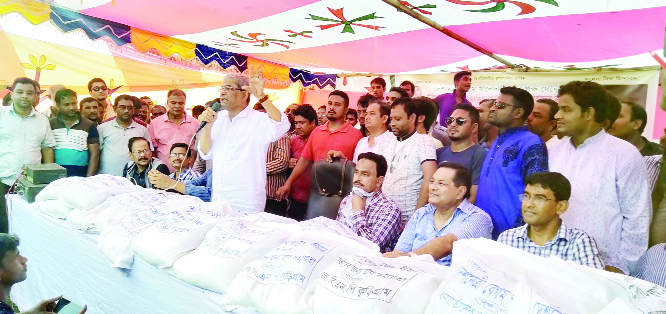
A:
{"x": 512, "y": 157}
{"x": 545, "y": 199}
{"x": 98, "y": 90}
{"x": 462, "y": 125}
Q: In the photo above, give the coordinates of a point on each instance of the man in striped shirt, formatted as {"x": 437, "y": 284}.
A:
{"x": 546, "y": 197}
{"x": 180, "y": 156}
{"x": 447, "y": 218}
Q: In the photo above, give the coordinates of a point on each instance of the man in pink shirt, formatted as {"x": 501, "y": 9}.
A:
{"x": 335, "y": 135}
{"x": 174, "y": 127}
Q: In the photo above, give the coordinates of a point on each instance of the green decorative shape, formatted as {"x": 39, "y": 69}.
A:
{"x": 319, "y": 18}
{"x": 392, "y": 79}
{"x": 348, "y": 29}
{"x": 553, "y": 2}
{"x": 365, "y": 18}
{"x": 429, "y": 6}
{"x": 498, "y": 7}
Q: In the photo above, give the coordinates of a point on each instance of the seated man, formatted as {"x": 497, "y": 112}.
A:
{"x": 650, "y": 266}
{"x": 546, "y": 197}
{"x": 13, "y": 269}
{"x": 447, "y": 217}
{"x": 179, "y": 158}
{"x": 200, "y": 187}
{"x": 367, "y": 210}
{"x": 142, "y": 162}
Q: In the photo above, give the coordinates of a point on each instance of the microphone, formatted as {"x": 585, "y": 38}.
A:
{"x": 216, "y": 107}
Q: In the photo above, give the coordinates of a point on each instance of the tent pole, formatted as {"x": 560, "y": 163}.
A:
{"x": 413, "y": 13}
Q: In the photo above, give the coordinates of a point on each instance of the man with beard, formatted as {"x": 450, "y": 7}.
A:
{"x": 513, "y": 156}
{"x": 335, "y": 136}
{"x": 77, "y": 140}
{"x": 115, "y": 134}
{"x": 411, "y": 158}
{"x": 90, "y": 110}
{"x": 462, "y": 125}
{"x": 462, "y": 82}
{"x": 142, "y": 163}
{"x": 366, "y": 210}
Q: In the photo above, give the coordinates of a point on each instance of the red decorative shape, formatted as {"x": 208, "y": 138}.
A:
{"x": 465, "y": 68}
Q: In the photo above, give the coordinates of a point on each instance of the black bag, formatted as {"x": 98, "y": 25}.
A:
{"x": 329, "y": 183}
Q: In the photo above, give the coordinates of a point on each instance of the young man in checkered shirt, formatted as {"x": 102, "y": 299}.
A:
{"x": 546, "y": 197}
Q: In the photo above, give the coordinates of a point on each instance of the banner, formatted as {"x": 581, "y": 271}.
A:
{"x": 640, "y": 87}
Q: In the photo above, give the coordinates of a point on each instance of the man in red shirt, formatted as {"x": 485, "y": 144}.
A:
{"x": 334, "y": 135}
{"x": 305, "y": 121}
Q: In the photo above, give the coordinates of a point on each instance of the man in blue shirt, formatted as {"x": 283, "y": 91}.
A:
{"x": 447, "y": 102}
{"x": 447, "y": 218}
{"x": 513, "y": 156}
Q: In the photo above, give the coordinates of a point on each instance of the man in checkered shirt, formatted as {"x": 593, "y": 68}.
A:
{"x": 546, "y": 197}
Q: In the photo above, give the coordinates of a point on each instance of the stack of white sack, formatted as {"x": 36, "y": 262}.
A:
{"x": 283, "y": 280}
{"x": 116, "y": 242}
{"x": 92, "y": 191}
{"x": 179, "y": 232}
{"x": 227, "y": 248}
{"x": 47, "y": 201}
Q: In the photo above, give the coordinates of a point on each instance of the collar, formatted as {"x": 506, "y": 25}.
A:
{"x": 561, "y": 233}
{"x": 511, "y": 131}
{"x": 343, "y": 129}
{"x": 114, "y": 123}
{"x": 32, "y": 111}
{"x": 464, "y": 207}
{"x": 406, "y": 137}
{"x": 245, "y": 112}
{"x": 186, "y": 119}
{"x": 590, "y": 140}
{"x": 78, "y": 119}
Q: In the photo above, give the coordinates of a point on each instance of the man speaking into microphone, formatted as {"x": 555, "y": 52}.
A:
{"x": 236, "y": 139}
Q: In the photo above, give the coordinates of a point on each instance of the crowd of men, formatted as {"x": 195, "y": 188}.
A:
{"x": 573, "y": 177}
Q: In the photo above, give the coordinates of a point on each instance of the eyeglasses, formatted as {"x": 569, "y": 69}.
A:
{"x": 141, "y": 152}
{"x": 228, "y": 88}
{"x": 181, "y": 155}
{"x": 537, "y": 199}
{"x": 459, "y": 121}
{"x": 501, "y": 105}
{"x": 99, "y": 88}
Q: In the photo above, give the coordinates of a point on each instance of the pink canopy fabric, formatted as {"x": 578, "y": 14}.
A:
{"x": 333, "y": 36}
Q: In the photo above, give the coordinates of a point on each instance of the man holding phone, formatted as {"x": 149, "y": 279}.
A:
{"x": 13, "y": 269}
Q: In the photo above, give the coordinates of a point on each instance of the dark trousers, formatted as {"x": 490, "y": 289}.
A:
{"x": 4, "y": 223}
{"x": 76, "y": 171}
{"x": 297, "y": 210}
{"x": 276, "y": 207}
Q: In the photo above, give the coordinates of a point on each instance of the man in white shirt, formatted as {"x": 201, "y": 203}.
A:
{"x": 610, "y": 197}
{"x": 411, "y": 159}
{"x": 237, "y": 140}
{"x": 376, "y": 124}
{"x": 25, "y": 138}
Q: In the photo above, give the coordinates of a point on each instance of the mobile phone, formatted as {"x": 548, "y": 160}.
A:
{"x": 65, "y": 306}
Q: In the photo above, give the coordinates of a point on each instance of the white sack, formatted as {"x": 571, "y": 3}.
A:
{"x": 367, "y": 285}
{"x": 323, "y": 224}
{"x": 52, "y": 190}
{"x": 283, "y": 280}
{"x": 92, "y": 191}
{"x": 53, "y": 208}
{"x": 115, "y": 243}
{"x": 175, "y": 234}
{"x": 227, "y": 248}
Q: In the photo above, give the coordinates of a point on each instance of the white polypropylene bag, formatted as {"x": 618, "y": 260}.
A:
{"x": 227, "y": 248}
{"x": 52, "y": 190}
{"x": 489, "y": 277}
{"x": 323, "y": 224}
{"x": 268, "y": 217}
{"x": 92, "y": 191}
{"x": 366, "y": 285}
{"x": 84, "y": 219}
{"x": 283, "y": 280}
{"x": 53, "y": 208}
{"x": 176, "y": 234}
{"x": 128, "y": 204}
{"x": 116, "y": 243}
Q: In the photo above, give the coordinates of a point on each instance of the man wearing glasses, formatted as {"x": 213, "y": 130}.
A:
{"x": 462, "y": 125}
{"x": 142, "y": 163}
{"x": 237, "y": 138}
{"x": 546, "y": 197}
{"x": 512, "y": 157}
{"x": 98, "y": 90}
{"x": 115, "y": 134}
